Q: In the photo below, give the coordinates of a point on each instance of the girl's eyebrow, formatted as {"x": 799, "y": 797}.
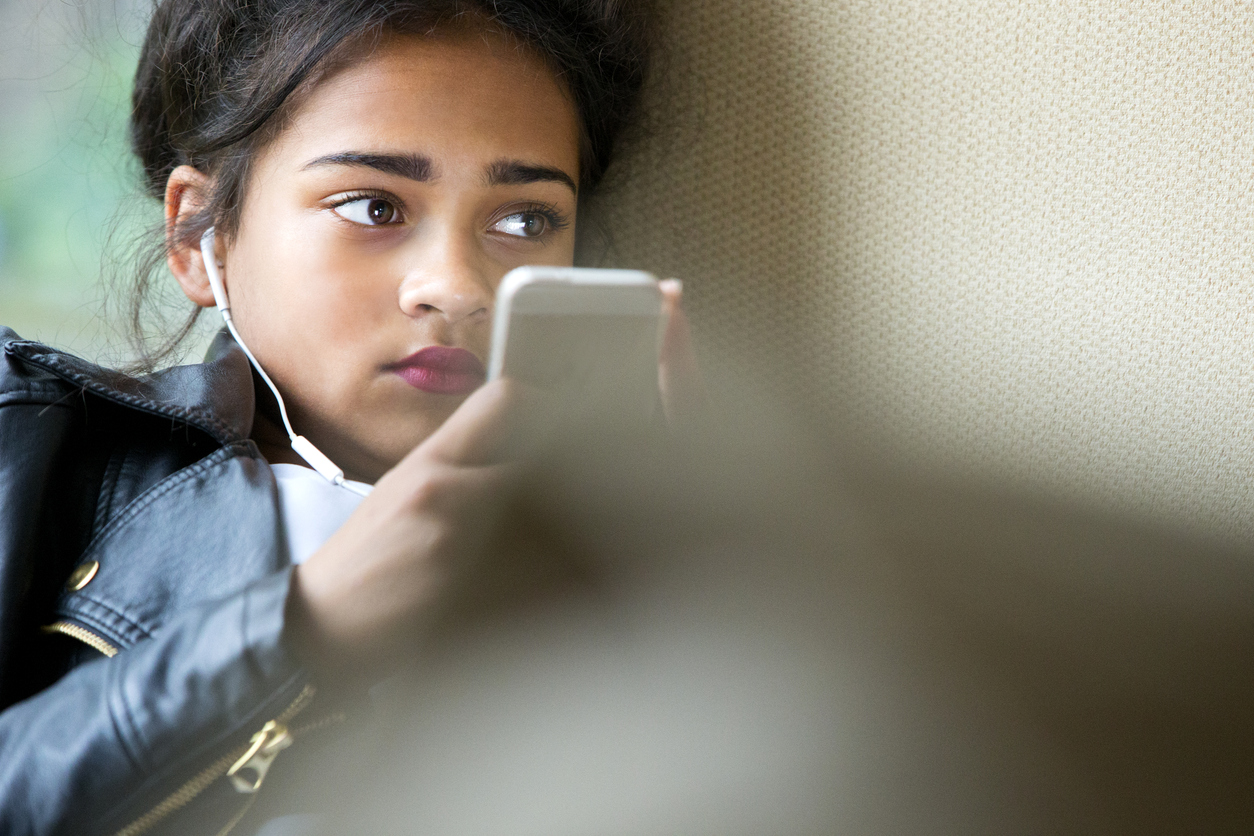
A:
{"x": 515, "y": 172}
{"x": 420, "y": 169}
{"x": 410, "y": 166}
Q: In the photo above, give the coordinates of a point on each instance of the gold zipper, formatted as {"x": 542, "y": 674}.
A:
{"x": 250, "y": 770}
{"x": 84, "y": 635}
{"x": 256, "y": 756}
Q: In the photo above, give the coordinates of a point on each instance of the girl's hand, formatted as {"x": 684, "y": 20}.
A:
{"x": 679, "y": 379}
{"x": 404, "y": 562}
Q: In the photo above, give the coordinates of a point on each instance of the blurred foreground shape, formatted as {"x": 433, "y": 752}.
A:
{"x": 781, "y": 642}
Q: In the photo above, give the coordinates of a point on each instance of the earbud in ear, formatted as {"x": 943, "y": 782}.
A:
{"x": 211, "y": 270}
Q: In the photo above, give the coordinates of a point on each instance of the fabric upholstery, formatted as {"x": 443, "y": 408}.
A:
{"x": 1008, "y": 238}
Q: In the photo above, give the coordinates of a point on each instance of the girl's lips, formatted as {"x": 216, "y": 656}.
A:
{"x": 441, "y": 370}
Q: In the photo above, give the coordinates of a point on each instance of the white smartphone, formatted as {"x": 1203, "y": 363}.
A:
{"x": 590, "y": 335}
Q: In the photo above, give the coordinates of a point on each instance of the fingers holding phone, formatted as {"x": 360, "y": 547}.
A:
{"x": 679, "y": 378}
{"x": 380, "y": 586}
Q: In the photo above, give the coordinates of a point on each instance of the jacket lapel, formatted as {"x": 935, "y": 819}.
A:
{"x": 200, "y": 534}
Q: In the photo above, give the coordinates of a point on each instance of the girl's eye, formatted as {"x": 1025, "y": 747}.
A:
{"x": 523, "y": 224}
{"x": 368, "y": 211}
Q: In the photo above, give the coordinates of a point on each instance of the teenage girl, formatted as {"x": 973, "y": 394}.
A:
{"x": 177, "y": 582}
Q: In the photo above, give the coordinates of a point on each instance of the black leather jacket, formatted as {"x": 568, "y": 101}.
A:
{"x": 142, "y": 585}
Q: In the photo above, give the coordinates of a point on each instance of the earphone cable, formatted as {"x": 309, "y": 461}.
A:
{"x": 302, "y": 446}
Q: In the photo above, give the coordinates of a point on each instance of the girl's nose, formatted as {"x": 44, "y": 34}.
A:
{"x": 448, "y": 283}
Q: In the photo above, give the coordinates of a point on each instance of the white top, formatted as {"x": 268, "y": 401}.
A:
{"x": 311, "y": 508}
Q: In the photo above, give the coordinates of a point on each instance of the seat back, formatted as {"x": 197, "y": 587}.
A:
{"x": 1013, "y": 240}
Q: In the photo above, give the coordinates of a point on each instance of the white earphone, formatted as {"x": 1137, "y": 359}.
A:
{"x": 302, "y": 446}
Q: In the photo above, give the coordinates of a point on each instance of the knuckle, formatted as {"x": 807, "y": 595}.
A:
{"x": 430, "y": 490}
{"x": 442, "y": 489}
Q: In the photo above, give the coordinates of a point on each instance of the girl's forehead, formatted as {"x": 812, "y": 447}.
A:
{"x": 461, "y": 90}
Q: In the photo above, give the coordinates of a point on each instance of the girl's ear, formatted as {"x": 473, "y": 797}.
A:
{"x": 185, "y": 194}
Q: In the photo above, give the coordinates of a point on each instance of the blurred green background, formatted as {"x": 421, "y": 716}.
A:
{"x": 71, "y": 205}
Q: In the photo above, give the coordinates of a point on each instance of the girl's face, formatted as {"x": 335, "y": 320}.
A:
{"x": 379, "y": 223}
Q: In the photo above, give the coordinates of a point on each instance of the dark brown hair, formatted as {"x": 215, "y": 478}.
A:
{"x": 216, "y": 77}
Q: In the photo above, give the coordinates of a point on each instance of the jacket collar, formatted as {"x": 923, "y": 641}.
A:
{"x": 215, "y": 396}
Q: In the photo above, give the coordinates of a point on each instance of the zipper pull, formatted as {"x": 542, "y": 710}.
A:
{"x": 262, "y": 750}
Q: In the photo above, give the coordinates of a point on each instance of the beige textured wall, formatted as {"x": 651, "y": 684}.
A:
{"x": 1013, "y": 239}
